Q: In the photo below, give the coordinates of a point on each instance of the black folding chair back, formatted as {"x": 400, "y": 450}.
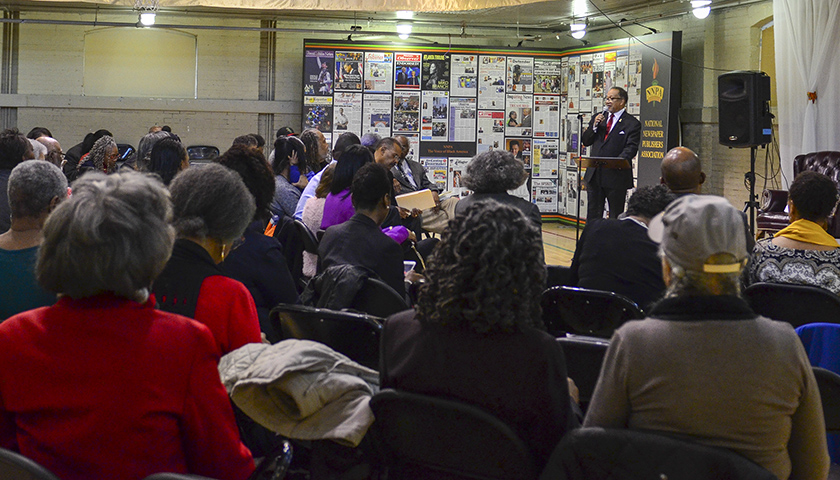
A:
{"x": 14, "y": 466}
{"x": 794, "y": 304}
{"x": 125, "y": 151}
{"x": 351, "y": 334}
{"x": 829, "y": 385}
{"x": 310, "y": 242}
{"x": 584, "y": 356}
{"x": 611, "y": 454}
{"x": 377, "y": 298}
{"x": 583, "y": 311}
{"x": 426, "y": 437}
{"x": 199, "y": 154}
{"x": 557, "y": 275}
{"x": 175, "y": 476}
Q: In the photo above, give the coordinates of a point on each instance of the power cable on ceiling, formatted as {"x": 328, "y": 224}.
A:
{"x": 617, "y": 25}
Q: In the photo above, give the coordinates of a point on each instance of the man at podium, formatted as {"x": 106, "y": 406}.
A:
{"x": 614, "y": 133}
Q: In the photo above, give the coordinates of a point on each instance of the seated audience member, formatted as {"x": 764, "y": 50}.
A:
{"x": 683, "y": 173}
{"x": 74, "y": 156}
{"x": 618, "y": 256}
{"x": 313, "y": 213}
{"x": 54, "y": 153}
{"x": 359, "y": 241}
{"x": 802, "y": 253}
{"x": 370, "y": 140}
{"x": 703, "y": 364}
{"x": 248, "y": 140}
{"x": 490, "y": 175}
{"x": 317, "y": 149}
{"x": 258, "y": 262}
{"x": 476, "y": 335}
{"x": 35, "y": 188}
{"x": 344, "y": 140}
{"x": 14, "y": 149}
{"x": 212, "y": 207}
{"x": 411, "y": 177}
{"x": 102, "y": 385}
{"x": 168, "y": 157}
{"x": 38, "y": 132}
{"x": 102, "y": 157}
{"x": 288, "y": 152}
{"x": 142, "y": 157}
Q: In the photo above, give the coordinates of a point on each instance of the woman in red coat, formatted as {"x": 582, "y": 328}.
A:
{"x": 102, "y": 385}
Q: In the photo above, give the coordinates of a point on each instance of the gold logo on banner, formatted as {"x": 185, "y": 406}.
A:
{"x": 655, "y": 92}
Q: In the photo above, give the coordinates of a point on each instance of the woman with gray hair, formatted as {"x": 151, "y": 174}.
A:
{"x": 212, "y": 207}
{"x": 35, "y": 189}
{"x": 103, "y": 157}
{"x": 490, "y": 175}
{"x": 103, "y": 363}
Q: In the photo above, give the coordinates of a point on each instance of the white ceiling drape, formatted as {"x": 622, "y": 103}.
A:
{"x": 337, "y": 5}
{"x": 807, "y": 34}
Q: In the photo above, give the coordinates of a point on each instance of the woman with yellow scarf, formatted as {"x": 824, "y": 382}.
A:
{"x": 802, "y": 253}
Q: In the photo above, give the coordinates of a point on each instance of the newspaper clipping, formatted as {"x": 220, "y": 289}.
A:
{"x": 378, "y": 70}
{"x": 491, "y": 130}
{"x": 407, "y": 71}
{"x": 519, "y": 115}
{"x": 464, "y": 81}
{"x": 348, "y": 70}
{"x": 520, "y": 74}
{"x": 462, "y": 119}
{"x": 436, "y": 72}
{"x": 436, "y": 171}
{"x": 545, "y": 162}
{"x": 318, "y": 72}
{"x": 377, "y": 114}
{"x": 546, "y": 116}
{"x": 317, "y": 113}
{"x": 491, "y": 83}
{"x": 406, "y": 112}
{"x": 520, "y": 148}
{"x": 547, "y": 74}
{"x": 457, "y": 169}
{"x": 544, "y": 192}
{"x": 434, "y": 118}
{"x": 347, "y": 111}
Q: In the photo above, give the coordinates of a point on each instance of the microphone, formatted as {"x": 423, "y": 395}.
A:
{"x": 605, "y": 113}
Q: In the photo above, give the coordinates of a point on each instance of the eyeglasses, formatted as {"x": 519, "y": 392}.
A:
{"x": 614, "y": 99}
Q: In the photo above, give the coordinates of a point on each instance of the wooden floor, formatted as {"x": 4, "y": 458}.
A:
{"x": 558, "y": 243}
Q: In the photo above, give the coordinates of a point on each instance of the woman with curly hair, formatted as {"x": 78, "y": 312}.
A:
{"x": 492, "y": 174}
{"x": 103, "y": 157}
{"x": 477, "y": 336}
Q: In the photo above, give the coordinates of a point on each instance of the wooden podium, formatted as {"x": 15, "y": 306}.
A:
{"x": 611, "y": 163}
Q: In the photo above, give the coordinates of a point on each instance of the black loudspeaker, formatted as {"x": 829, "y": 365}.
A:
{"x": 744, "y": 109}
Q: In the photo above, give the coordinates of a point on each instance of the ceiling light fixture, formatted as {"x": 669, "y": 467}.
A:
{"x": 405, "y": 14}
{"x": 146, "y": 9}
{"x": 578, "y": 29}
{"x": 701, "y": 8}
{"x": 404, "y": 30}
{"x": 147, "y": 19}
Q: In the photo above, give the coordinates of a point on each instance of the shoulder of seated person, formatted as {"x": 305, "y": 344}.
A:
{"x": 797, "y": 245}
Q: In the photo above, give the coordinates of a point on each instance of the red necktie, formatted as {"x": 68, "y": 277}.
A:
{"x": 609, "y": 126}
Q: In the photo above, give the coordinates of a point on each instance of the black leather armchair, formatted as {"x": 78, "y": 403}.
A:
{"x": 772, "y": 216}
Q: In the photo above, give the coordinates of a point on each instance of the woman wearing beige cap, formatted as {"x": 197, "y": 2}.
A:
{"x": 703, "y": 364}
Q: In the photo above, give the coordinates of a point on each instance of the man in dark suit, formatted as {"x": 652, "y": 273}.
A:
{"x": 411, "y": 177}
{"x": 402, "y": 76}
{"x": 614, "y": 133}
{"x": 360, "y": 241}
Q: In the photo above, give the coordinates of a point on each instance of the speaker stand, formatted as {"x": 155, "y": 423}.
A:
{"x": 752, "y": 203}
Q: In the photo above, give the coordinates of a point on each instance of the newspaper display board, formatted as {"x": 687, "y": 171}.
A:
{"x": 453, "y": 102}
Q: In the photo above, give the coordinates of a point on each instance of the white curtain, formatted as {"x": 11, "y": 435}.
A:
{"x": 807, "y": 36}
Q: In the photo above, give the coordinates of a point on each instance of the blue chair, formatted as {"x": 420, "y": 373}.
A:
{"x": 822, "y": 343}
